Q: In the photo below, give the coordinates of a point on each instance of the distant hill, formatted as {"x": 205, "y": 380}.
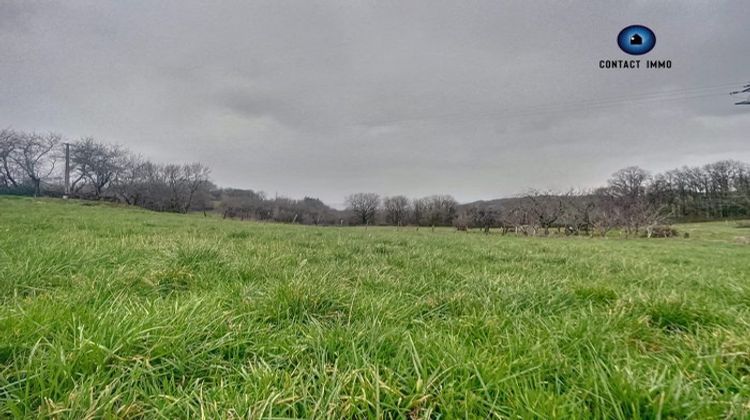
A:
{"x": 493, "y": 204}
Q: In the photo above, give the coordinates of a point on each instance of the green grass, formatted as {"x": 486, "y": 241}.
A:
{"x": 108, "y": 311}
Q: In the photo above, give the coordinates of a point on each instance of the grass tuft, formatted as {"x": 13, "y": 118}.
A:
{"x": 677, "y": 316}
{"x": 238, "y": 235}
{"x": 596, "y": 295}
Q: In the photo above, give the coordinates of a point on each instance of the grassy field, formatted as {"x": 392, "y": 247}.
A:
{"x": 119, "y": 312}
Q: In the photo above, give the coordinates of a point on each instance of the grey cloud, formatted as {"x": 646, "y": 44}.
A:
{"x": 478, "y": 99}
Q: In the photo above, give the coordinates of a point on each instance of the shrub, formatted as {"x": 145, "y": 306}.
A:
{"x": 660, "y": 231}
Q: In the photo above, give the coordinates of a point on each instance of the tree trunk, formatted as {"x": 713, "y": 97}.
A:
{"x": 37, "y": 186}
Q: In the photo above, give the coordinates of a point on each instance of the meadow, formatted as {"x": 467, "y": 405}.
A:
{"x": 117, "y": 312}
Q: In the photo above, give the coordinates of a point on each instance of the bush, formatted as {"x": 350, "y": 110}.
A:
{"x": 660, "y": 231}
{"x": 26, "y": 190}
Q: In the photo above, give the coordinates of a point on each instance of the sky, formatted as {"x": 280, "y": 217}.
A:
{"x": 478, "y": 99}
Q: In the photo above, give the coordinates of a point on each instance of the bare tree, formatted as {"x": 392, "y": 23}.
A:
{"x": 314, "y": 211}
{"x": 163, "y": 187}
{"x": 129, "y": 183}
{"x": 419, "y": 210}
{"x": 364, "y": 206}
{"x": 172, "y": 176}
{"x": 518, "y": 217}
{"x": 154, "y": 189}
{"x": 607, "y": 214}
{"x": 95, "y": 165}
{"x": 245, "y": 204}
{"x": 196, "y": 177}
{"x": 629, "y": 183}
{"x": 723, "y": 177}
{"x": 439, "y": 210}
{"x": 578, "y": 212}
{"x": 183, "y": 181}
{"x": 35, "y": 156}
{"x": 477, "y": 217}
{"x": 628, "y": 187}
{"x": 248, "y": 204}
{"x": 463, "y": 220}
{"x": 9, "y": 142}
{"x": 396, "y": 210}
{"x": 642, "y": 214}
{"x": 545, "y": 208}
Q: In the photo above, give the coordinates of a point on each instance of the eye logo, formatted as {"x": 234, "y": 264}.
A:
{"x": 636, "y": 40}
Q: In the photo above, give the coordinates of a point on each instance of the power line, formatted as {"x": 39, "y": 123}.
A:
{"x": 681, "y": 94}
{"x": 745, "y": 89}
{"x": 575, "y": 106}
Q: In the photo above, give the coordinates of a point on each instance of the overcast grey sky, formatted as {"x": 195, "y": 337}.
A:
{"x": 479, "y": 99}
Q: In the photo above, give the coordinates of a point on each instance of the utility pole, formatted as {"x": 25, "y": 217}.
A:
{"x": 66, "y": 194}
{"x": 745, "y": 89}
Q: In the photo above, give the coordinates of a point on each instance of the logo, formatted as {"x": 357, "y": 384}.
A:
{"x": 636, "y": 40}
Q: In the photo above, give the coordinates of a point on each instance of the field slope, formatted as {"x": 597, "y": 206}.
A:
{"x": 119, "y": 312}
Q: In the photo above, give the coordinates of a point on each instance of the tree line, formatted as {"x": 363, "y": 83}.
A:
{"x": 633, "y": 199}
{"x": 33, "y": 164}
